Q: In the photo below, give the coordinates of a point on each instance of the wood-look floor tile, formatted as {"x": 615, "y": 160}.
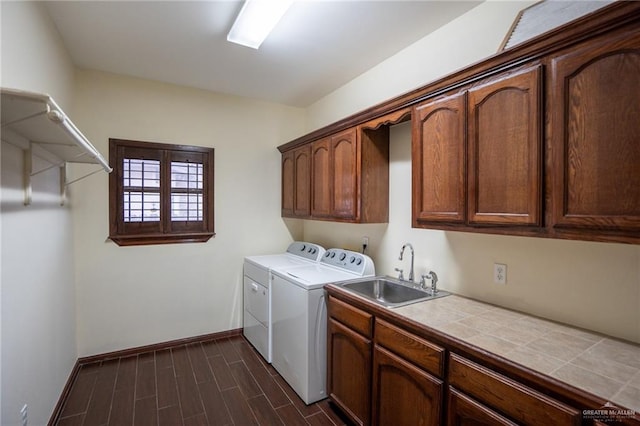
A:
{"x": 80, "y": 395}
{"x": 170, "y": 416}
{"x": 145, "y": 412}
{"x": 238, "y": 407}
{"x": 189, "y": 397}
{"x": 320, "y": 419}
{"x": 211, "y": 348}
{"x": 245, "y": 380}
{"x": 264, "y": 412}
{"x": 305, "y": 410}
{"x": 228, "y": 350}
{"x": 77, "y": 420}
{"x": 201, "y": 369}
{"x": 267, "y": 383}
{"x": 291, "y": 416}
{"x": 164, "y": 359}
{"x": 161, "y": 388}
{"x": 127, "y": 373}
{"x": 145, "y": 379}
{"x": 122, "y": 407}
{"x": 199, "y": 420}
{"x": 167, "y": 388}
{"x": 221, "y": 371}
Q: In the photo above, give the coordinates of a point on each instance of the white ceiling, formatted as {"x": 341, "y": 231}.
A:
{"x": 318, "y": 46}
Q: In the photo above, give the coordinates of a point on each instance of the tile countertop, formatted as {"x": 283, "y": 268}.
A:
{"x": 600, "y": 365}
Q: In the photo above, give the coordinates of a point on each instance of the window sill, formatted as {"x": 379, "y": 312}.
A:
{"x": 149, "y": 239}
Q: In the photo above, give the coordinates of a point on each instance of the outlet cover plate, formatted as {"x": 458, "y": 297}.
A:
{"x": 500, "y": 273}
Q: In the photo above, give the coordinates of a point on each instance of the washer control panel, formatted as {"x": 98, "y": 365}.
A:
{"x": 307, "y": 250}
{"x": 350, "y": 260}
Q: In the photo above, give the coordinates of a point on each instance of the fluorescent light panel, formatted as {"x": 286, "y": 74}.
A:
{"x": 256, "y": 20}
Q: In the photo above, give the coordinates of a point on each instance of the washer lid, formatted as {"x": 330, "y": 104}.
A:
{"x": 313, "y": 276}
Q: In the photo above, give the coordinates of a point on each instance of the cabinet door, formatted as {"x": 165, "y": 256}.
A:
{"x": 302, "y": 172}
{"x": 321, "y": 178}
{"x": 505, "y": 146}
{"x": 344, "y": 163}
{"x": 349, "y": 371}
{"x": 596, "y": 135}
{"x": 464, "y": 411}
{"x": 288, "y": 183}
{"x": 402, "y": 393}
{"x": 438, "y": 161}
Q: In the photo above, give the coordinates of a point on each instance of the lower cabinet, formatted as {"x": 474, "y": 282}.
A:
{"x": 379, "y": 373}
{"x": 349, "y": 360}
{"x": 507, "y": 397}
{"x": 403, "y": 394}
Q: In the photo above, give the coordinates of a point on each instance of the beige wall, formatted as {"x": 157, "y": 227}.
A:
{"x": 38, "y": 324}
{"x": 590, "y": 285}
{"x": 132, "y": 296}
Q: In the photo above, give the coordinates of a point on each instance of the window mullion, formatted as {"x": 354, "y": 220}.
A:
{"x": 165, "y": 189}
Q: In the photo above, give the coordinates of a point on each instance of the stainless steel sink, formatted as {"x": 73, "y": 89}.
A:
{"x": 389, "y": 292}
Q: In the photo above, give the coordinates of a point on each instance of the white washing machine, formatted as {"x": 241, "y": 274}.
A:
{"x": 299, "y": 318}
{"x": 257, "y": 290}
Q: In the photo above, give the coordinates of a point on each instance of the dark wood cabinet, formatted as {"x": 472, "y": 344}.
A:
{"x": 465, "y": 411}
{"x": 439, "y": 161}
{"x": 349, "y": 360}
{"x": 595, "y": 143}
{"x": 406, "y": 389}
{"x": 296, "y": 182}
{"x": 504, "y": 395}
{"x": 348, "y": 177}
{"x": 321, "y": 192}
{"x": 477, "y": 154}
{"x": 505, "y": 150}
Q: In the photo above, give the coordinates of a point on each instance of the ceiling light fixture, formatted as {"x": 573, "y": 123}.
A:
{"x": 256, "y": 20}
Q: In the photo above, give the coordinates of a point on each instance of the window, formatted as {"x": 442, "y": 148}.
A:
{"x": 160, "y": 193}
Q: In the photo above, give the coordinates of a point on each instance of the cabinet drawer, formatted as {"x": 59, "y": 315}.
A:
{"x": 520, "y": 403}
{"x": 424, "y": 354}
{"x": 354, "y": 318}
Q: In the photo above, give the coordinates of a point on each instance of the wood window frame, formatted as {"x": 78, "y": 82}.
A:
{"x": 165, "y": 230}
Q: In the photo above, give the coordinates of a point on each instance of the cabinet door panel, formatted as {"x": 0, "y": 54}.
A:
{"x": 344, "y": 164}
{"x": 321, "y": 178}
{"x": 288, "y": 183}
{"x": 349, "y": 371}
{"x": 438, "y": 153}
{"x": 505, "y": 145}
{"x": 596, "y": 131}
{"x": 302, "y": 199}
{"x": 402, "y": 393}
{"x": 464, "y": 411}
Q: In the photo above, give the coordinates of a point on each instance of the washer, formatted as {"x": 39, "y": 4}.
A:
{"x": 257, "y": 290}
{"x": 299, "y": 318}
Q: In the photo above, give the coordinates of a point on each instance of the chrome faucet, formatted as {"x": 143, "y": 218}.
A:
{"x": 434, "y": 282}
{"x": 400, "y": 258}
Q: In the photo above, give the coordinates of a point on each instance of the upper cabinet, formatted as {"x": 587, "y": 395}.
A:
{"x": 347, "y": 175}
{"x": 541, "y": 139}
{"x": 476, "y": 155}
{"x": 505, "y": 145}
{"x": 595, "y": 139}
{"x": 296, "y": 182}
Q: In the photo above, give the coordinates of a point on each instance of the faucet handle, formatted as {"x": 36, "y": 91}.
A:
{"x": 434, "y": 281}
{"x": 400, "y": 276}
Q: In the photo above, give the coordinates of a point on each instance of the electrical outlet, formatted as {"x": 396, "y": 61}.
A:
{"x": 499, "y": 273}
{"x": 365, "y": 241}
{"x": 23, "y": 415}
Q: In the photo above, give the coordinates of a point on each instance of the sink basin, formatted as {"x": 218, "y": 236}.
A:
{"x": 389, "y": 292}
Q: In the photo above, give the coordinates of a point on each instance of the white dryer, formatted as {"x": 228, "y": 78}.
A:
{"x": 299, "y": 318}
{"x": 257, "y": 290}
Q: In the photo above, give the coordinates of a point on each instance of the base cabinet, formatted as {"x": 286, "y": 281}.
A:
{"x": 403, "y": 394}
{"x": 465, "y": 411}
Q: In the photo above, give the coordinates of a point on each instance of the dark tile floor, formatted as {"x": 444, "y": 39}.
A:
{"x": 218, "y": 382}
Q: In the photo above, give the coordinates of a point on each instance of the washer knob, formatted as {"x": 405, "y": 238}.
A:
{"x": 359, "y": 262}
{"x": 303, "y": 247}
{"x": 343, "y": 256}
{"x": 333, "y": 254}
{"x": 327, "y": 254}
{"x": 353, "y": 259}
